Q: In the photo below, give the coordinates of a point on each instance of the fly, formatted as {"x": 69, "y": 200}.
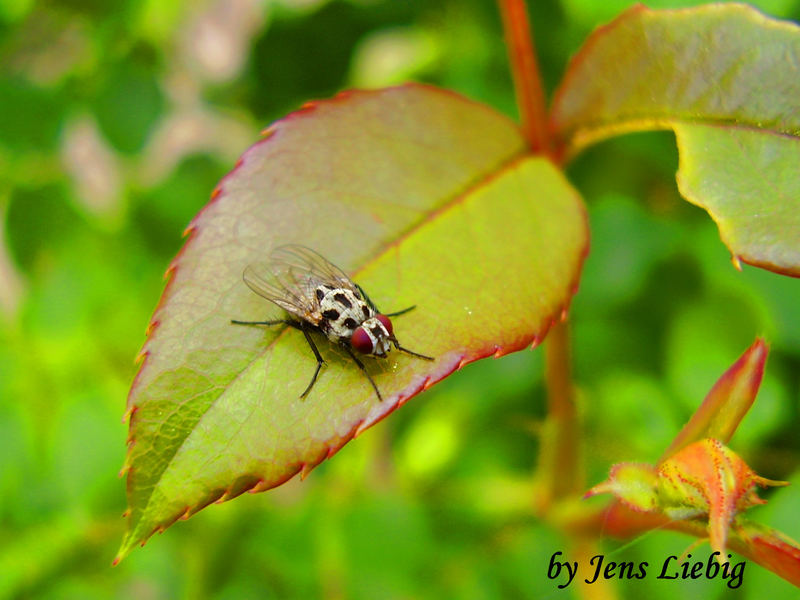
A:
{"x": 319, "y": 297}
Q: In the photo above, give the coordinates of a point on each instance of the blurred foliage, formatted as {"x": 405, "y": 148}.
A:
{"x": 116, "y": 122}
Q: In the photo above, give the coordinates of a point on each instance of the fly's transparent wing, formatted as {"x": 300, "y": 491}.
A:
{"x": 260, "y": 278}
{"x": 290, "y": 277}
{"x": 302, "y": 264}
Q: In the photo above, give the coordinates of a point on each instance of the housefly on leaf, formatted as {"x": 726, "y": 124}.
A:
{"x": 319, "y": 297}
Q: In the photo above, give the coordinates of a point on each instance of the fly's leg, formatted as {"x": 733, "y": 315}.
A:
{"x": 364, "y": 369}
{"x": 320, "y": 362}
{"x": 402, "y": 312}
{"x": 302, "y": 327}
{"x": 367, "y": 299}
{"x": 278, "y": 322}
{"x": 407, "y": 351}
{"x": 397, "y": 344}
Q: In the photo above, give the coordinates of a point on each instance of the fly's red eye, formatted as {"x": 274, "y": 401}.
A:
{"x": 387, "y": 323}
{"x": 361, "y": 341}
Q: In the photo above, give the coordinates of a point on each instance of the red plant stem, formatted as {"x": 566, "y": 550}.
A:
{"x": 525, "y": 71}
{"x": 559, "y": 470}
{"x": 559, "y": 467}
{"x": 557, "y": 372}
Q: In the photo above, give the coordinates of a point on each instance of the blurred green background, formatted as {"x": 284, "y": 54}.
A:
{"x": 117, "y": 119}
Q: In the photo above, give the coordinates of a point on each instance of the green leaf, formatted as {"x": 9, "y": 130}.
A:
{"x": 424, "y": 198}
{"x": 726, "y": 79}
{"x": 749, "y": 182}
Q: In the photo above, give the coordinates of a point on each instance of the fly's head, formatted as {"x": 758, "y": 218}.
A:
{"x": 374, "y": 336}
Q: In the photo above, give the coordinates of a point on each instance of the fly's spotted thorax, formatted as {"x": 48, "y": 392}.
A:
{"x": 341, "y": 311}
